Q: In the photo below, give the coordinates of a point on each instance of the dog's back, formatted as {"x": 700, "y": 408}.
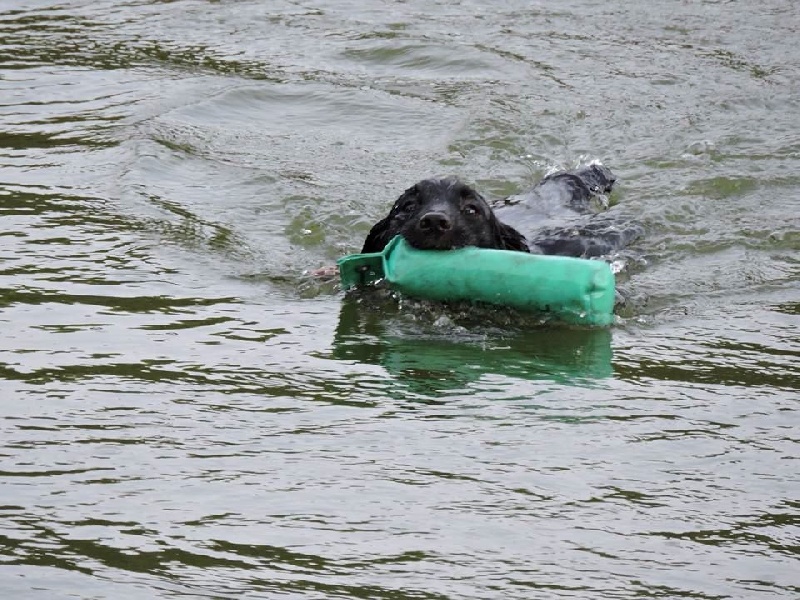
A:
{"x": 564, "y": 214}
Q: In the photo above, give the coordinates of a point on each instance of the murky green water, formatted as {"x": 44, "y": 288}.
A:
{"x": 185, "y": 414}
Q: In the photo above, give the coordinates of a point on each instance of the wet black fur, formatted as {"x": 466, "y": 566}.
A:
{"x": 443, "y": 214}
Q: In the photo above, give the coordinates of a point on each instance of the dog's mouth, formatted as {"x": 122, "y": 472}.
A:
{"x": 440, "y": 242}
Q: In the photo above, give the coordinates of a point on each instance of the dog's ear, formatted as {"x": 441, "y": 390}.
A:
{"x": 511, "y": 239}
{"x": 384, "y": 230}
{"x": 378, "y": 237}
{"x": 505, "y": 236}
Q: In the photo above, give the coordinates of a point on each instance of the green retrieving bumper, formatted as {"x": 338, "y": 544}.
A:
{"x": 574, "y": 290}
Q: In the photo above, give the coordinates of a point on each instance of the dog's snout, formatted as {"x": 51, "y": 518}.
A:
{"x": 435, "y": 221}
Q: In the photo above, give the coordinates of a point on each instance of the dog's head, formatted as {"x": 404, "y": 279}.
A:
{"x": 444, "y": 214}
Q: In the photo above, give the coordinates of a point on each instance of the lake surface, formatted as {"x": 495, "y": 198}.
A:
{"x": 186, "y": 414}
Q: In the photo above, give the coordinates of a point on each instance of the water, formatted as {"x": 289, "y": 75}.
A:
{"x": 185, "y": 414}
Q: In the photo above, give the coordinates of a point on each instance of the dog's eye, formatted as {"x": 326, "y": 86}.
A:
{"x": 405, "y": 205}
{"x": 408, "y": 206}
{"x": 471, "y": 210}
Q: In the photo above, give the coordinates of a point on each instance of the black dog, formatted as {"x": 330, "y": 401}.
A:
{"x": 443, "y": 214}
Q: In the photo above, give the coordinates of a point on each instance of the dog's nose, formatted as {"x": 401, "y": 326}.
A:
{"x": 435, "y": 221}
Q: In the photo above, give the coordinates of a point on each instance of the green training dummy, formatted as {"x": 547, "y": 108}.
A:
{"x": 573, "y": 290}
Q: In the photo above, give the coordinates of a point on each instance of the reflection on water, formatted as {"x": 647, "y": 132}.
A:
{"x": 182, "y": 414}
{"x": 447, "y": 358}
